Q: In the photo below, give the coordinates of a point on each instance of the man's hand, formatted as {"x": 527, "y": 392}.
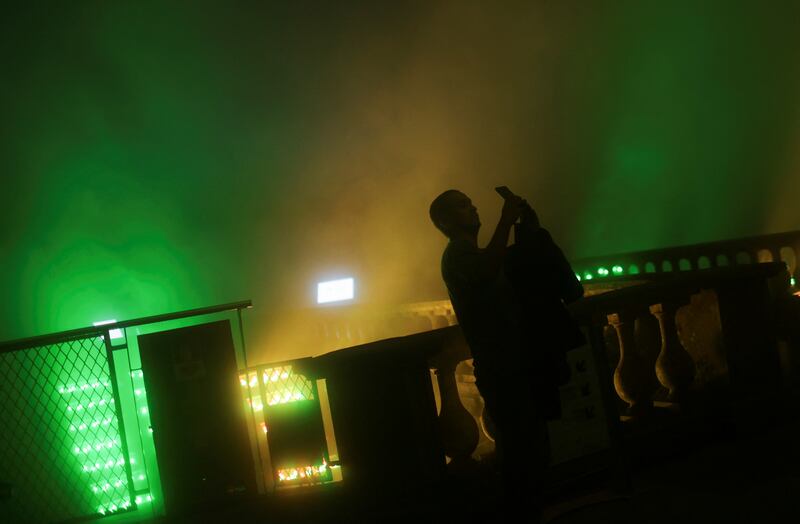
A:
{"x": 529, "y": 216}
{"x": 496, "y": 250}
{"x": 512, "y": 209}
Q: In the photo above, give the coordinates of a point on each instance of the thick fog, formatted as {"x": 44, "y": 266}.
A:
{"x": 159, "y": 157}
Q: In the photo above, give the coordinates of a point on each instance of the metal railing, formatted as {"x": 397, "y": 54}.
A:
{"x": 65, "y": 401}
{"x": 63, "y": 447}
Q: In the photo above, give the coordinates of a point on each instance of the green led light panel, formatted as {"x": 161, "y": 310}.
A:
{"x": 61, "y": 447}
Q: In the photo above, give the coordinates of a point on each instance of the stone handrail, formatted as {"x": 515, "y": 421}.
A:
{"x": 764, "y": 248}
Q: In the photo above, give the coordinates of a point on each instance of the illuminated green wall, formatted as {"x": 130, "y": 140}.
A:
{"x": 158, "y": 158}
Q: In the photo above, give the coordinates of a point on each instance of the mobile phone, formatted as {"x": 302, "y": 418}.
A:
{"x": 503, "y": 191}
{"x": 529, "y": 215}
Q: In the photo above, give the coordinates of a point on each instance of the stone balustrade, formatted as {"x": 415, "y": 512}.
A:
{"x": 743, "y": 299}
{"x": 666, "y": 334}
{"x": 736, "y": 304}
{"x": 647, "y": 354}
{"x": 783, "y": 247}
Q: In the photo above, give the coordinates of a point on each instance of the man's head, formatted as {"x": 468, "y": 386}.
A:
{"x": 452, "y": 212}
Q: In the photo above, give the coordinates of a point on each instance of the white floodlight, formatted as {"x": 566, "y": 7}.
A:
{"x": 335, "y": 290}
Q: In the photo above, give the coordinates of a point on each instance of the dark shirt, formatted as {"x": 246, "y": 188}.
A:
{"x": 484, "y": 302}
{"x": 512, "y": 316}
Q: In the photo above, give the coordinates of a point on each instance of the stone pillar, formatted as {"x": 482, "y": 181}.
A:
{"x": 458, "y": 429}
{"x": 632, "y": 378}
{"x": 675, "y": 369}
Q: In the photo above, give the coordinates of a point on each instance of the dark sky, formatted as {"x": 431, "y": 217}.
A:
{"x": 159, "y": 156}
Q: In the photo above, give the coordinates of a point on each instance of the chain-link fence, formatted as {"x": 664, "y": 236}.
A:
{"x": 62, "y": 451}
{"x": 76, "y": 441}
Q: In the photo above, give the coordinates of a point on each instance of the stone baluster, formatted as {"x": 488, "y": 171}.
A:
{"x": 632, "y": 377}
{"x": 774, "y": 254}
{"x": 675, "y": 369}
{"x": 769, "y": 255}
{"x": 458, "y": 429}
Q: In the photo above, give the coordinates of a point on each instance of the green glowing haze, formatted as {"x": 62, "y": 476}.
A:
{"x": 157, "y": 158}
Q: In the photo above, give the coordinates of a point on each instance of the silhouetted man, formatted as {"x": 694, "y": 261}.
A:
{"x": 509, "y": 302}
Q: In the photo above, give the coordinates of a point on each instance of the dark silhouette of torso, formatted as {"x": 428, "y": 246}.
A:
{"x": 518, "y": 329}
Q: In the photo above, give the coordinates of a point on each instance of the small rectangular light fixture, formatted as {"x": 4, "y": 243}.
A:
{"x": 115, "y": 333}
{"x": 335, "y": 290}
